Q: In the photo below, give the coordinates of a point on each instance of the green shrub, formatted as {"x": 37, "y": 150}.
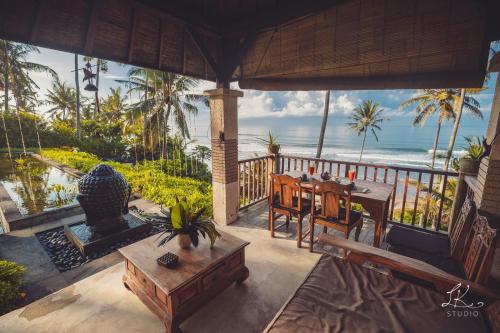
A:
{"x": 146, "y": 178}
{"x": 11, "y": 275}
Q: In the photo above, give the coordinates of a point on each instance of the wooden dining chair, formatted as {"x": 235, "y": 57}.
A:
{"x": 286, "y": 200}
{"x": 335, "y": 211}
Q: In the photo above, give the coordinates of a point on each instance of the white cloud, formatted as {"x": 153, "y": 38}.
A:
{"x": 256, "y": 104}
{"x": 112, "y": 76}
{"x": 343, "y": 104}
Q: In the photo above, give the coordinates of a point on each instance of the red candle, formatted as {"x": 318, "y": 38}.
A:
{"x": 311, "y": 169}
{"x": 352, "y": 175}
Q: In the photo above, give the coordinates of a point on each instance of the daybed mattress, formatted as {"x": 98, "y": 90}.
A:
{"x": 340, "y": 296}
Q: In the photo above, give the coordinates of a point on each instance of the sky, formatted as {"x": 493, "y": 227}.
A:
{"x": 256, "y": 107}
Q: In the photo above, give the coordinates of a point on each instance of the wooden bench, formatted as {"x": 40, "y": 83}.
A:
{"x": 343, "y": 294}
{"x": 466, "y": 253}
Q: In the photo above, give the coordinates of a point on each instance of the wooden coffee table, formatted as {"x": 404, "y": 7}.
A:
{"x": 175, "y": 294}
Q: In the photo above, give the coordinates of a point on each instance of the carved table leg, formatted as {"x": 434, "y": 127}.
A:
{"x": 124, "y": 280}
{"x": 244, "y": 273}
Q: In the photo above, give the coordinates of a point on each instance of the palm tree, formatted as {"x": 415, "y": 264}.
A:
{"x": 366, "y": 116}
{"x": 101, "y": 65}
{"x": 470, "y": 104}
{"x": 202, "y": 153}
{"x": 16, "y": 69}
{"x": 163, "y": 94}
{"x": 428, "y": 103}
{"x": 114, "y": 105}
{"x": 323, "y": 124}
{"x": 62, "y": 98}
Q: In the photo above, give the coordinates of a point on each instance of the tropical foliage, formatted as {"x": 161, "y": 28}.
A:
{"x": 183, "y": 220}
{"x": 474, "y": 148}
{"x": 11, "y": 278}
{"x": 62, "y": 99}
{"x": 445, "y": 103}
{"x": 146, "y": 178}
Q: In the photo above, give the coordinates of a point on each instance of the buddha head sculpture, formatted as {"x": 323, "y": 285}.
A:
{"x": 103, "y": 194}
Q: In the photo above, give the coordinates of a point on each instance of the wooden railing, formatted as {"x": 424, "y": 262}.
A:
{"x": 253, "y": 184}
{"x": 422, "y": 197}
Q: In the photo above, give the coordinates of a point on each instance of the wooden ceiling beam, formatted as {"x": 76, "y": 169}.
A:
{"x": 200, "y": 45}
{"x": 409, "y": 81}
{"x": 180, "y": 13}
{"x": 233, "y": 55}
{"x": 91, "y": 28}
{"x": 35, "y": 28}
{"x": 131, "y": 40}
{"x": 160, "y": 43}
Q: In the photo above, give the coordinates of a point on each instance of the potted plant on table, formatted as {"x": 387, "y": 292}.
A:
{"x": 187, "y": 224}
{"x": 470, "y": 162}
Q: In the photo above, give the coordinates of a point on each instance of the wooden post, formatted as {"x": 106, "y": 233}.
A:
{"x": 458, "y": 200}
{"x": 224, "y": 140}
{"x": 487, "y": 196}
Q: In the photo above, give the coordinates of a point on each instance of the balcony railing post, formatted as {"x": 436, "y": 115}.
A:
{"x": 459, "y": 198}
{"x": 346, "y": 172}
{"x": 276, "y": 163}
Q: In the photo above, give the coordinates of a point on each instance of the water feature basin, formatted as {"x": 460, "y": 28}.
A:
{"x": 34, "y": 186}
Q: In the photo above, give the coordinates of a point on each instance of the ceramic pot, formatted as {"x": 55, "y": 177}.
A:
{"x": 469, "y": 166}
{"x": 273, "y": 149}
{"x": 184, "y": 241}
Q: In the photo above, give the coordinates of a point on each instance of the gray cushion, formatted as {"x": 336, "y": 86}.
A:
{"x": 445, "y": 263}
{"x": 419, "y": 241}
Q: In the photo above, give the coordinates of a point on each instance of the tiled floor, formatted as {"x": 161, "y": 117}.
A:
{"x": 100, "y": 302}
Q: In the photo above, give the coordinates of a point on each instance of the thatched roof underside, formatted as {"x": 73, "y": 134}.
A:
{"x": 273, "y": 45}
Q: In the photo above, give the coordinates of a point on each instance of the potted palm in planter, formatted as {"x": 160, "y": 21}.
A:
{"x": 470, "y": 162}
{"x": 187, "y": 225}
{"x": 273, "y": 147}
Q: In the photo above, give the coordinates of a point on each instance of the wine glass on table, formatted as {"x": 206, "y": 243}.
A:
{"x": 311, "y": 170}
{"x": 352, "y": 175}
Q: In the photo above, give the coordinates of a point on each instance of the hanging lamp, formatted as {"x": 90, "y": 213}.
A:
{"x": 89, "y": 76}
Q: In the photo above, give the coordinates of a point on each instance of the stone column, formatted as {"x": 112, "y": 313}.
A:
{"x": 487, "y": 196}
{"x": 224, "y": 140}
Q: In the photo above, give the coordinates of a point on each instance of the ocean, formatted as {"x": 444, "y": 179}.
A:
{"x": 400, "y": 143}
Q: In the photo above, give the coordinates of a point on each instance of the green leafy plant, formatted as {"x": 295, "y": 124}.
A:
{"x": 272, "y": 143}
{"x": 474, "y": 148}
{"x": 184, "y": 220}
{"x": 11, "y": 276}
{"x": 473, "y": 151}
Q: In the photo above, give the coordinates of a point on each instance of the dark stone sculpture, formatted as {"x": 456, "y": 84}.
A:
{"x": 104, "y": 194}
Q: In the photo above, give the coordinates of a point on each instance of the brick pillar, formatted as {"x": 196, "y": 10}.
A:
{"x": 224, "y": 140}
{"x": 487, "y": 196}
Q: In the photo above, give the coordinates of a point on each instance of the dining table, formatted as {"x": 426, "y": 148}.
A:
{"x": 373, "y": 196}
